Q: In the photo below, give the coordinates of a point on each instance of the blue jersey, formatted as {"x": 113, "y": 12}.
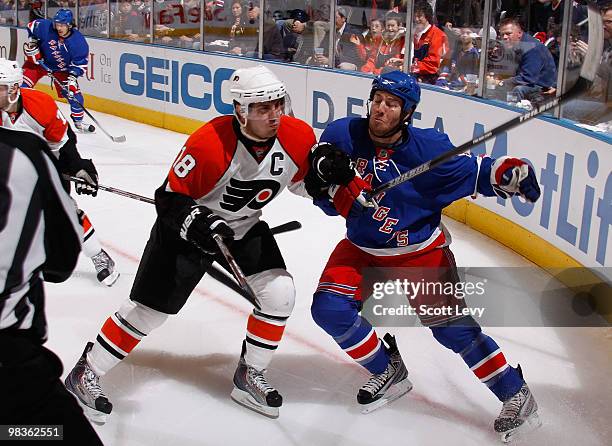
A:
{"x": 60, "y": 54}
{"x": 409, "y": 214}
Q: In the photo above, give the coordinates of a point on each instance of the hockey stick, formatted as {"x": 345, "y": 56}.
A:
{"x": 112, "y": 190}
{"x": 74, "y": 100}
{"x": 214, "y": 272}
{"x": 226, "y": 280}
{"x": 587, "y": 75}
{"x": 292, "y": 225}
{"x": 236, "y": 271}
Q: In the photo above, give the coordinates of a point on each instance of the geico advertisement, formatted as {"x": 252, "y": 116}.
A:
{"x": 183, "y": 83}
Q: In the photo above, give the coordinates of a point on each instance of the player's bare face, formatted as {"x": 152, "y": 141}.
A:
{"x": 4, "y": 97}
{"x": 62, "y": 29}
{"x": 263, "y": 118}
{"x": 385, "y": 115}
{"x": 4, "y": 103}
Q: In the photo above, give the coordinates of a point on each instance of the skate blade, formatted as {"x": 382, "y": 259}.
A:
{"x": 245, "y": 399}
{"x": 93, "y": 415}
{"x": 394, "y": 392}
{"x": 111, "y": 279}
{"x": 531, "y": 423}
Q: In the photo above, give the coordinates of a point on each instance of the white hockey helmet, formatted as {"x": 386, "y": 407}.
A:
{"x": 10, "y": 72}
{"x": 11, "y": 75}
{"x": 256, "y": 84}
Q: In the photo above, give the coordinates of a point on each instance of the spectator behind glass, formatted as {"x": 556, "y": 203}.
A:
{"x": 7, "y": 12}
{"x": 430, "y": 45}
{"x": 126, "y": 23}
{"x": 237, "y": 29}
{"x": 461, "y": 14}
{"x": 536, "y": 72}
{"x": 465, "y": 60}
{"x": 390, "y": 52}
{"x": 347, "y": 56}
{"x": 297, "y": 39}
{"x": 368, "y": 44}
{"x": 272, "y": 39}
{"x": 594, "y": 108}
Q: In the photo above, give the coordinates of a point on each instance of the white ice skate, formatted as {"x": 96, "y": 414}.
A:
{"x": 83, "y": 383}
{"x": 251, "y": 389}
{"x": 519, "y": 415}
{"x": 105, "y": 268}
{"x": 387, "y": 386}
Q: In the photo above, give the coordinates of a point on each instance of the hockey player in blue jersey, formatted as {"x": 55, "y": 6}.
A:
{"x": 57, "y": 47}
{"x": 355, "y": 155}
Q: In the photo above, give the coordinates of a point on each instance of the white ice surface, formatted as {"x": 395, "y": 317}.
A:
{"x": 174, "y": 388}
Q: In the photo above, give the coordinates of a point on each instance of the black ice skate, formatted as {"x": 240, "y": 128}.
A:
{"x": 387, "y": 386}
{"x": 82, "y": 382}
{"x": 519, "y": 414}
{"x": 105, "y": 267}
{"x": 81, "y": 127}
{"x": 251, "y": 389}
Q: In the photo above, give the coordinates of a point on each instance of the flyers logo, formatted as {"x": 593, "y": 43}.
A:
{"x": 254, "y": 194}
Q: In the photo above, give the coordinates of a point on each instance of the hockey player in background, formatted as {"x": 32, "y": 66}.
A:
{"x": 57, "y": 47}
{"x": 227, "y": 171}
{"x": 39, "y": 240}
{"x": 36, "y": 112}
{"x": 405, "y": 231}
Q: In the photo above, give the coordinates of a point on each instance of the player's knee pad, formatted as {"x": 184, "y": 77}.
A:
{"x": 141, "y": 317}
{"x": 275, "y": 291}
{"x": 456, "y": 338}
{"x": 333, "y": 313}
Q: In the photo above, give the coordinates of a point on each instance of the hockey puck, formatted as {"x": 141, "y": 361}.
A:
{"x": 91, "y": 128}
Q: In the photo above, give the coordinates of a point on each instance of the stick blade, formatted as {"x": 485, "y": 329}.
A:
{"x": 119, "y": 138}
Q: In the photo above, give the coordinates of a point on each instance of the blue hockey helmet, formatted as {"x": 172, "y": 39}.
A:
{"x": 63, "y": 16}
{"x": 399, "y": 84}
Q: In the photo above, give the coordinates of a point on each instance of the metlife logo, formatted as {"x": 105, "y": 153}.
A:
{"x": 192, "y": 84}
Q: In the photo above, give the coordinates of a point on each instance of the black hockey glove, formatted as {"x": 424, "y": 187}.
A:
{"x": 89, "y": 174}
{"x": 331, "y": 164}
{"x": 199, "y": 225}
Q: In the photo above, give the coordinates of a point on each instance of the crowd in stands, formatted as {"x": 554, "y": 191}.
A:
{"x": 369, "y": 36}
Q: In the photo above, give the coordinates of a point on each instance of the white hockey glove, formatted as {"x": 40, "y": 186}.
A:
{"x": 32, "y": 51}
{"x": 72, "y": 86}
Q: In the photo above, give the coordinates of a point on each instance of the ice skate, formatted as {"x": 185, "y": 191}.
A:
{"x": 251, "y": 389}
{"x": 82, "y": 127}
{"x": 82, "y": 382}
{"x": 519, "y": 415}
{"x": 105, "y": 267}
{"x": 387, "y": 386}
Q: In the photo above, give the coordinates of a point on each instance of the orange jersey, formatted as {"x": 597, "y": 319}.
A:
{"x": 217, "y": 170}
{"x": 40, "y": 116}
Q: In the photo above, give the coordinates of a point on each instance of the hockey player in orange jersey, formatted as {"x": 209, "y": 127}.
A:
{"x": 36, "y": 112}
{"x": 227, "y": 171}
